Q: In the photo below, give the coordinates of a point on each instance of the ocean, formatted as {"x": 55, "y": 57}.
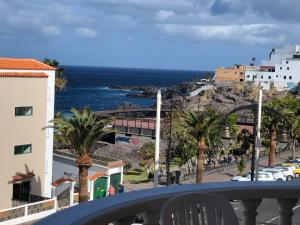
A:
{"x": 89, "y": 86}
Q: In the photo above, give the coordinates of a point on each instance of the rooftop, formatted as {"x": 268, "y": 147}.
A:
{"x": 23, "y": 74}
{"x": 23, "y": 64}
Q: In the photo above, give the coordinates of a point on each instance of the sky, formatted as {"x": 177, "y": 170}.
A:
{"x": 170, "y": 34}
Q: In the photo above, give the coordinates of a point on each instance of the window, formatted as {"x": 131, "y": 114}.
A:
{"x": 269, "y": 77}
{"x": 22, "y": 149}
{"x": 287, "y": 62}
{"x": 281, "y": 68}
{"x": 284, "y": 77}
{"x": 290, "y": 77}
{"x": 23, "y": 111}
{"x": 241, "y": 73}
{"x": 248, "y": 76}
{"x": 21, "y": 191}
{"x": 262, "y": 77}
{"x": 241, "y": 80}
{"x": 288, "y": 68}
{"x": 276, "y": 76}
{"x": 254, "y": 77}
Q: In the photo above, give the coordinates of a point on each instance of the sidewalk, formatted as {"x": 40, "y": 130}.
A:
{"x": 225, "y": 175}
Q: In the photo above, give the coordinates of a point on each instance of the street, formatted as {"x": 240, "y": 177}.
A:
{"x": 267, "y": 212}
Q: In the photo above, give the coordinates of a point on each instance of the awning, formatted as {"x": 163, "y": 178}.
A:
{"x": 62, "y": 180}
{"x": 22, "y": 176}
{"x": 96, "y": 175}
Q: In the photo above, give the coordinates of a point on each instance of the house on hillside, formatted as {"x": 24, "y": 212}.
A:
{"x": 27, "y": 105}
{"x": 281, "y": 71}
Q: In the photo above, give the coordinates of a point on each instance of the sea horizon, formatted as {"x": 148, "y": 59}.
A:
{"x": 89, "y": 86}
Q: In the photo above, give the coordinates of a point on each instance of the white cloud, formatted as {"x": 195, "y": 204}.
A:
{"x": 86, "y": 32}
{"x": 246, "y": 34}
{"x": 163, "y": 15}
{"x": 51, "y": 30}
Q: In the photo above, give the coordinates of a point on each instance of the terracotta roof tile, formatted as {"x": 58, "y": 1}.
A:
{"x": 96, "y": 175}
{"x": 22, "y": 176}
{"x": 62, "y": 180}
{"x": 23, "y": 74}
{"x": 23, "y": 64}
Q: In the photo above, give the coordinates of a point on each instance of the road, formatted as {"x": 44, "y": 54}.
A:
{"x": 267, "y": 212}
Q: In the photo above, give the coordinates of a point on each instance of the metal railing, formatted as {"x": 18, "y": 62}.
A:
{"x": 123, "y": 208}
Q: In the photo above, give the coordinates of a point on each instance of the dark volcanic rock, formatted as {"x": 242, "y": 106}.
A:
{"x": 128, "y": 105}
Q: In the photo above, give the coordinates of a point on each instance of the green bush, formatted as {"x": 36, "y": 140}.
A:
{"x": 150, "y": 175}
{"x": 139, "y": 170}
{"x": 132, "y": 172}
{"x": 266, "y": 142}
{"x": 142, "y": 163}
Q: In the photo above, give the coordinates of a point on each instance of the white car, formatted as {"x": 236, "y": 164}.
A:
{"x": 277, "y": 173}
{"x": 287, "y": 171}
{"x": 262, "y": 176}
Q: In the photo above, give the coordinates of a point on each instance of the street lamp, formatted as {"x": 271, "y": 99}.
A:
{"x": 225, "y": 136}
{"x": 283, "y": 140}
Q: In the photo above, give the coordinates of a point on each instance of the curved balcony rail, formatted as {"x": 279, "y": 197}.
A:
{"x": 122, "y": 208}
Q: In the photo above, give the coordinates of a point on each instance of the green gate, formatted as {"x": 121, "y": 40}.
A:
{"x": 100, "y": 185}
{"x": 115, "y": 180}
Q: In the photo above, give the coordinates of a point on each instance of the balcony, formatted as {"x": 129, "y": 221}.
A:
{"x": 121, "y": 209}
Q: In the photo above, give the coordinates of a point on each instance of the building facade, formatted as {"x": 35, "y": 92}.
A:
{"x": 231, "y": 74}
{"x": 281, "y": 71}
{"x": 27, "y": 91}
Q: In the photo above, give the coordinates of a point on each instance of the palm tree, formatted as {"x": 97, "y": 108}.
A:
{"x": 199, "y": 125}
{"x": 271, "y": 122}
{"x": 80, "y": 131}
{"x": 253, "y": 59}
{"x": 60, "y": 80}
{"x": 294, "y": 133}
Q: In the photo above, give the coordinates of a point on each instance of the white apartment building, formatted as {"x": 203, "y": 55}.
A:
{"x": 282, "y": 71}
{"x": 27, "y": 91}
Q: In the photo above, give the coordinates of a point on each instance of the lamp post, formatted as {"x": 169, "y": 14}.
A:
{"x": 157, "y": 138}
{"x": 258, "y": 140}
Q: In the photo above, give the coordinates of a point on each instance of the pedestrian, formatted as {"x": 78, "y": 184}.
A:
{"x": 111, "y": 191}
{"x": 121, "y": 188}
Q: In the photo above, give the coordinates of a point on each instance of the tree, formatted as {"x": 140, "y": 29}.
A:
{"x": 271, "y": 123}
{"x": 253, "y": 59}
{"x": 80, "y": 131}
{"x": 183, "y": 145}
{"x": 198, "y": 125}
{"x": 290, "y": 108}
{"x": 245, "y": 138}
{"x": 60, "y": 80}
{"x": 241, "y": 165}
{"x": 294, "y": 133}
{"x": 147, "y": 153}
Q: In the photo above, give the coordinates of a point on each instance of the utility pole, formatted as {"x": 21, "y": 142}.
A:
{"x": 157, "y": 138}
{"x": 258, "y": 140}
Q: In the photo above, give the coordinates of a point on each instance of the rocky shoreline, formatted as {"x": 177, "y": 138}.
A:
{"x": 222, "y": 97}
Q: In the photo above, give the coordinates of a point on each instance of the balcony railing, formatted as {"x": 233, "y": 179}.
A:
{"x": 122, "y": 209}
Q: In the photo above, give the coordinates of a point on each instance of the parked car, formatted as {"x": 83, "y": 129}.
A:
{"x": 277, "y": 173}
{"x": 287, "y": 171}
{"x": 262, "y": 176}
{"x": 297, "y": 173}
{"x": 295, "y": 161}
{"x": 295, "y": 165}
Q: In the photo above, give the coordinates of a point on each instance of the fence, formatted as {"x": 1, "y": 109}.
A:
{"x": 28, "y": 212}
